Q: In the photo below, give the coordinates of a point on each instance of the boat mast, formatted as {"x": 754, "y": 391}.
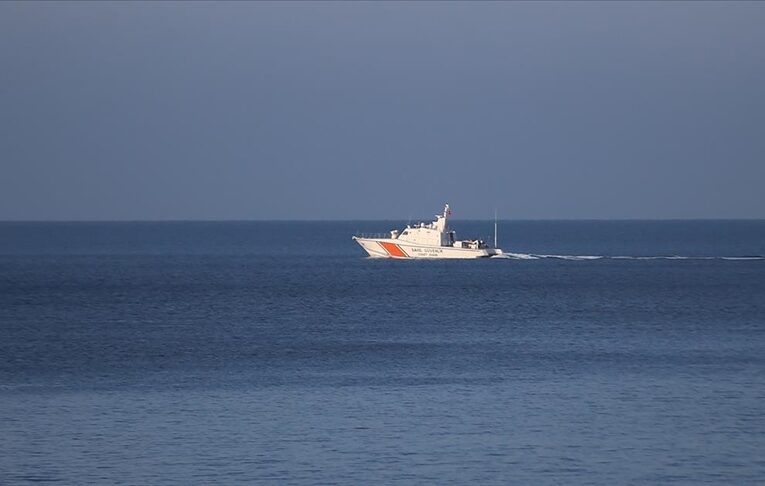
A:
{"x": 495, "y": 227}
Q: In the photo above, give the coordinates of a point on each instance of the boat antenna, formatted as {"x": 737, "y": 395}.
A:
{"x": 495, "y": 227}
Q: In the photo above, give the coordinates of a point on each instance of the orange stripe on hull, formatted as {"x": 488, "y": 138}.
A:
{"x": 393, "y": 249}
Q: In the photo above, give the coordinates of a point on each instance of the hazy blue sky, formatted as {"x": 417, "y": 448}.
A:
{"x": 381, "y": 110}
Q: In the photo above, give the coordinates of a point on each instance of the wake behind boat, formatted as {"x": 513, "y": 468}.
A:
{"x": 432, "y": 240}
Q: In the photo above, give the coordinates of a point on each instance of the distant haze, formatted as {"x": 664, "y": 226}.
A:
{"x": 381, "y": 110}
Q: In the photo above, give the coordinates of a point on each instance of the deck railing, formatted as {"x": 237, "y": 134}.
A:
{"x": 372, "y": 235}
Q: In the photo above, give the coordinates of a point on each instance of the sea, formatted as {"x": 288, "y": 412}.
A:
{"x": 595, "y": 352}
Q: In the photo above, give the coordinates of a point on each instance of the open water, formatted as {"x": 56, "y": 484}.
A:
{"x": 185, "y": 353}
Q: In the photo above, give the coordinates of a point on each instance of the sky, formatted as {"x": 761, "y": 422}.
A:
{"x": 543, "y": 110}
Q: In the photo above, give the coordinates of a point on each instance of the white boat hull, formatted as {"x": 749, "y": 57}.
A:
{"x": 395, "y": 248}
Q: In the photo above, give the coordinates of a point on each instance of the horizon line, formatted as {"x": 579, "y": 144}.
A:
{"x": 287, "y": 220}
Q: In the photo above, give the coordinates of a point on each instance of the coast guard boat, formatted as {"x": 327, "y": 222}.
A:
{"x": 432, "y": 240}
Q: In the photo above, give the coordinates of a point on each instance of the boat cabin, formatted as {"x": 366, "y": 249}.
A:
{"x": 436, "y": 233}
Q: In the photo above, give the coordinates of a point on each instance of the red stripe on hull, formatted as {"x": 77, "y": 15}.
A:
{"x": 393, "y": 249}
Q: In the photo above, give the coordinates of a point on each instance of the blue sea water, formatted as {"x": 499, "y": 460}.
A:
{"x": 275, "y": 352}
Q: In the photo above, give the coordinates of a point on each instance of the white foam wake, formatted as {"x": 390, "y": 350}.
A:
{"x": 573, "y": 257}
{"x": 534, "y": 256}
{"x": 517, "y": 256}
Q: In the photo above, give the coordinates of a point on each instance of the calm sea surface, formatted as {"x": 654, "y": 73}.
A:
{"x": 149, "y": 353}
